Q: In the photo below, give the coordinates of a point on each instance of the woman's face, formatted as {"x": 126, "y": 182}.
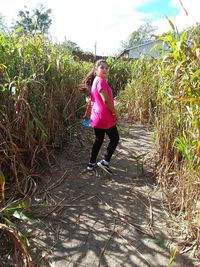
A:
{"x": 102, "y": 70}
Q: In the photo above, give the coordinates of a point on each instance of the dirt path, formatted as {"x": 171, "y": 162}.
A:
{"x": 93, "y": 219}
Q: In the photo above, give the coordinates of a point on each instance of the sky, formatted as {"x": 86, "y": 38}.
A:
{"x": 106, "y": 23}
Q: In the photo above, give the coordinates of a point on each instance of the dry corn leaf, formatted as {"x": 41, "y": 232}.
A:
{"x": 188, "y": 99}
{"x": 198, "y": 148}
{"x": 2, "y": 184}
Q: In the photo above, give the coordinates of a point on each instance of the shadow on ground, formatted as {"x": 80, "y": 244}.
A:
{"x": 94, "y": 219}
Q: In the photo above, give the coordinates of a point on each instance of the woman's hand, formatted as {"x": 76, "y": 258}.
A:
{"x": 86, "y": 116}
{"x": 109, "y": 103}
{"x": 115, "y": 115}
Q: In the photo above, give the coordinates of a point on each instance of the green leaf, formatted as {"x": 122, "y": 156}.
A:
{"x": 49, "y": 66}
{"x": 19, "y": 29}
{"x": 171, "y": 24}
{"x": 18, "y": 206}
{"x": 196, "y": 74}
{"x": 9, "y": 223}
{"x": 21, "y": 215}
{"x": 41, "y": 126}
{"x": 162, "y": 243}
{"x": 172, "y": 257}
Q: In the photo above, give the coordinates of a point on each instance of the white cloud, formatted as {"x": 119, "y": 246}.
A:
{"x": 182, "y": 20}
{"x": 106, "y": 22}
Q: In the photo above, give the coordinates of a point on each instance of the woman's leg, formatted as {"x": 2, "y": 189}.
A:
{"x": 99, "y": 137}
{"x": 114, "y": 140}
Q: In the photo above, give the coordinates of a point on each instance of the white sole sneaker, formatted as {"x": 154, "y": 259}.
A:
{"x": 104, "y": 167}
{"x": 90, "y": 167}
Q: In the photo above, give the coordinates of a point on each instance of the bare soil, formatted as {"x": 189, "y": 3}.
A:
{"x": 94, "y": 219}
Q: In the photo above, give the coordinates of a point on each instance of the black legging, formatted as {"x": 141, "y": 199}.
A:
{"x": 99, "y": 137}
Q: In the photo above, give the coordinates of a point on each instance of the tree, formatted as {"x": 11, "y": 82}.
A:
{"x": 3, "y": 26}
{"x": 71, "y": 46}
{"x": 194, "y": 33}
{"x": 37, "y": 21}
{"x": 142, "y": 35}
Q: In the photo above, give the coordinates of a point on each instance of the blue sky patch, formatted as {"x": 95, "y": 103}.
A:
{"x": 158, "y": 9}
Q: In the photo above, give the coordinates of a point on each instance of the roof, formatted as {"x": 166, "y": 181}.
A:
{"x": 138, "y": 46}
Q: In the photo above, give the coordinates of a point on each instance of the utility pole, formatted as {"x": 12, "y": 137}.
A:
{"x": 95, "y": 50}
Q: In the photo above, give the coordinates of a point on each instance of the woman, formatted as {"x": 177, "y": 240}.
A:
{"x": 102, "y": 113}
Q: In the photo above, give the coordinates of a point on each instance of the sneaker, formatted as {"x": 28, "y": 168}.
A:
{"x": 90, "y": 166}
{"x": 104, "y": 166}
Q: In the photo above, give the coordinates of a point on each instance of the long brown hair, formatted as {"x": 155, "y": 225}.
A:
{"x": 85, "y": 86}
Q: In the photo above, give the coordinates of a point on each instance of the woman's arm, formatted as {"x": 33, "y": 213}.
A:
{"x": 108, "y": 102}
{"x": 88, "y": 110}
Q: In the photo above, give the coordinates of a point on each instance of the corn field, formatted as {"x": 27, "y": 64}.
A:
{"x": 166, "y": 93}
{"x": 40, "y": 106}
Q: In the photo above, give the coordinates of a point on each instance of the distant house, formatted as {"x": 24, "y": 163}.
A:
{"x": 152, "y": 48}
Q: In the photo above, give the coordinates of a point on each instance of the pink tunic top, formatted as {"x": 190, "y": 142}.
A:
{"x": 101, "y": 116}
